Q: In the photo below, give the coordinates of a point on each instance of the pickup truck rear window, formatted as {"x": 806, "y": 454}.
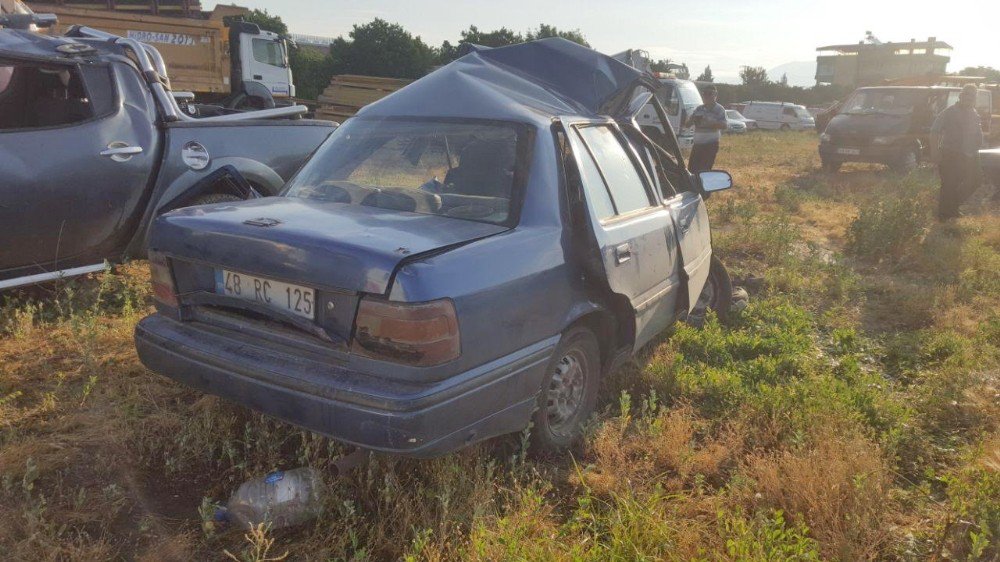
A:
{"x": 463, "y": 170}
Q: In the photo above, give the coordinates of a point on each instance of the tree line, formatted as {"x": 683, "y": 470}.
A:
{"x": 381, "y": 48}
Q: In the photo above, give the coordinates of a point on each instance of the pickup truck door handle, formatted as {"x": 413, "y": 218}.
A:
{"x": 623, "y": 253}
{"x": 121, "y": 152}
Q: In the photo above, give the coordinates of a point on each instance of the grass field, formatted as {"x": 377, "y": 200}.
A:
{"x": 852, "y": 412}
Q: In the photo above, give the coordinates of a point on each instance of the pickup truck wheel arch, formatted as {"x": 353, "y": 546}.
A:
{"x": 261, "y": 177}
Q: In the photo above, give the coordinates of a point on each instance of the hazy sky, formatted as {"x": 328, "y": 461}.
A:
{"x": 726, "y": 34}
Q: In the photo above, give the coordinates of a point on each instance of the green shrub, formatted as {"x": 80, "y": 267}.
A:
{"x": 889, "y": 228}
{"x": 767, "y": 538}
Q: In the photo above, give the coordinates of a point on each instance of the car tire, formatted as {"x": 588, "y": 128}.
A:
{"x": 209, "y": 198}
{"x": 717, "y": 295}
{"x": 785, "y": 127}
{"x": 831, "y": 167}
{"x": 906, "y": 162}
{"x": 569, "y": 392}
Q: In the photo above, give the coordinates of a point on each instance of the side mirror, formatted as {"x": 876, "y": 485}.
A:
{"x": 716, "y": 180}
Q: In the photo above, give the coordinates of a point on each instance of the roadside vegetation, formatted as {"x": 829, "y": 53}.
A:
{"x": 851, "y": 412}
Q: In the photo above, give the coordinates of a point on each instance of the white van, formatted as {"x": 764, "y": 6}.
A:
{"x": 680, "y": 98}
{"x": 779, "y": 115}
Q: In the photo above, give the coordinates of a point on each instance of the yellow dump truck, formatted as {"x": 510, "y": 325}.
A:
{"x": 215, "y": 55}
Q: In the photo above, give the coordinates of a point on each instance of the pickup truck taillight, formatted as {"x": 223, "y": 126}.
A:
{"x": 164, "y": 291}
{"x": 422, "y": 335}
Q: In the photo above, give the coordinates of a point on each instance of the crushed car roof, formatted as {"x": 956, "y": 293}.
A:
{"x": 532, "y": 82}
{"x": 22, "y": 44}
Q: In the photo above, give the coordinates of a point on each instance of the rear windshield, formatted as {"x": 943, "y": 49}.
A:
{"x": 461, "y": 170}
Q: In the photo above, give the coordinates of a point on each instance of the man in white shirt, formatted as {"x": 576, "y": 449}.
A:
{"x": 709, "y": 121}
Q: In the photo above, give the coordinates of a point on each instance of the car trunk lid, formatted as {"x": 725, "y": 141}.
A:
{"x": 344, "y": 247}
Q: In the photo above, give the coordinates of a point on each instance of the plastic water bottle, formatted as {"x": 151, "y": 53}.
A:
{"x": 281, "y": 499}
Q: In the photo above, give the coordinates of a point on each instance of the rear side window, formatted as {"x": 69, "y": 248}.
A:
{"x": 34, "y": 95}
{"x": 622, "y": 178}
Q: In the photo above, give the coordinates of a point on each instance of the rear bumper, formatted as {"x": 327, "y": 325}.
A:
{"x": 416, "y": 420}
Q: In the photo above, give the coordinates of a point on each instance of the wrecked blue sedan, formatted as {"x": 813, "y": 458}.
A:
{"x": 464, "y": 258}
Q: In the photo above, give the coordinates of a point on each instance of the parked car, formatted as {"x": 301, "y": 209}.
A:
{"x": 738, "y": 123}
{"x": 469, "y": 255}
{"x": 780, "y": 116}
{"x": 94, "y": 147}
{"x": 890, "y": 125}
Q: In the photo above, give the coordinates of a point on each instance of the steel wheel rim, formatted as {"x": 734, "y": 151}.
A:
{"x": 567, "y": 391}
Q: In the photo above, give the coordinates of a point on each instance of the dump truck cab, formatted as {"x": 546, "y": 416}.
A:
{"x": 215, "y": 58}
{"x": 260, "y": 64}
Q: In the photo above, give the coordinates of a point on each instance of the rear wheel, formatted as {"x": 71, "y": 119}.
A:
{"x": 569, "y": 392}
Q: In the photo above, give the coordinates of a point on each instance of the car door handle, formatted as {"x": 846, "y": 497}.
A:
{"x": 121, "y": 152}
{"x": 623, "y": 253}
{"x": 258, "y": 77}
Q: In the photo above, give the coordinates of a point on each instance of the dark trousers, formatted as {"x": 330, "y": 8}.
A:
{"x": 703, "y": 156}
{"x": 959, "y": 173}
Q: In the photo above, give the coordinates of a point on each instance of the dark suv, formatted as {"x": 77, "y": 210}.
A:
{"x": 889, "y": 125}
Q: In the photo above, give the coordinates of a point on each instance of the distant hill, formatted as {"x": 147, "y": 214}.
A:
{"x": 799, "y": 73}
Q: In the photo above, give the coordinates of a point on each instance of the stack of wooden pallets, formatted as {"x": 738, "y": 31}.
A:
{"x": 348, "y": 93}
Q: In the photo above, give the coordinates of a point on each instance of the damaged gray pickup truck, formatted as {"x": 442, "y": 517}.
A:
{"x": 463, "y": 258}
{"x": 93, "y": 146}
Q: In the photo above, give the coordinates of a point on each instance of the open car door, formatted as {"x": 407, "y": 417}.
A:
{"x": 686, "y": 205}
{"x": 633, "y": 234}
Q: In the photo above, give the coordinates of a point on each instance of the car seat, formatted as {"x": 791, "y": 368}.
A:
{"x": 485, "y": 169}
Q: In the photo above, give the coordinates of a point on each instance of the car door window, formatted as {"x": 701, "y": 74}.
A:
{"x": 595, "y": 189}
{"x": 662, "y": 186}
{"x": 41, "y": 95}
{"x": 618, "y": 170}
{"x": 268, "y": 52}
{"x": 789, "y": 112}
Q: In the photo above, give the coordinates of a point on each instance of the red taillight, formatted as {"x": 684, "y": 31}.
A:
{"x": 422, "y": 334}
{"x": 164, "y": 291}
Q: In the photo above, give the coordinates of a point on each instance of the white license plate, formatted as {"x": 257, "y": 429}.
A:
{"x": 298, "y": 300}
{"x": 849, "y": 151}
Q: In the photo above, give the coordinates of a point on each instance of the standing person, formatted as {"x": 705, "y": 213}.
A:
{"x": 956, "y": 137}
{"x": 709, "y": 121}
